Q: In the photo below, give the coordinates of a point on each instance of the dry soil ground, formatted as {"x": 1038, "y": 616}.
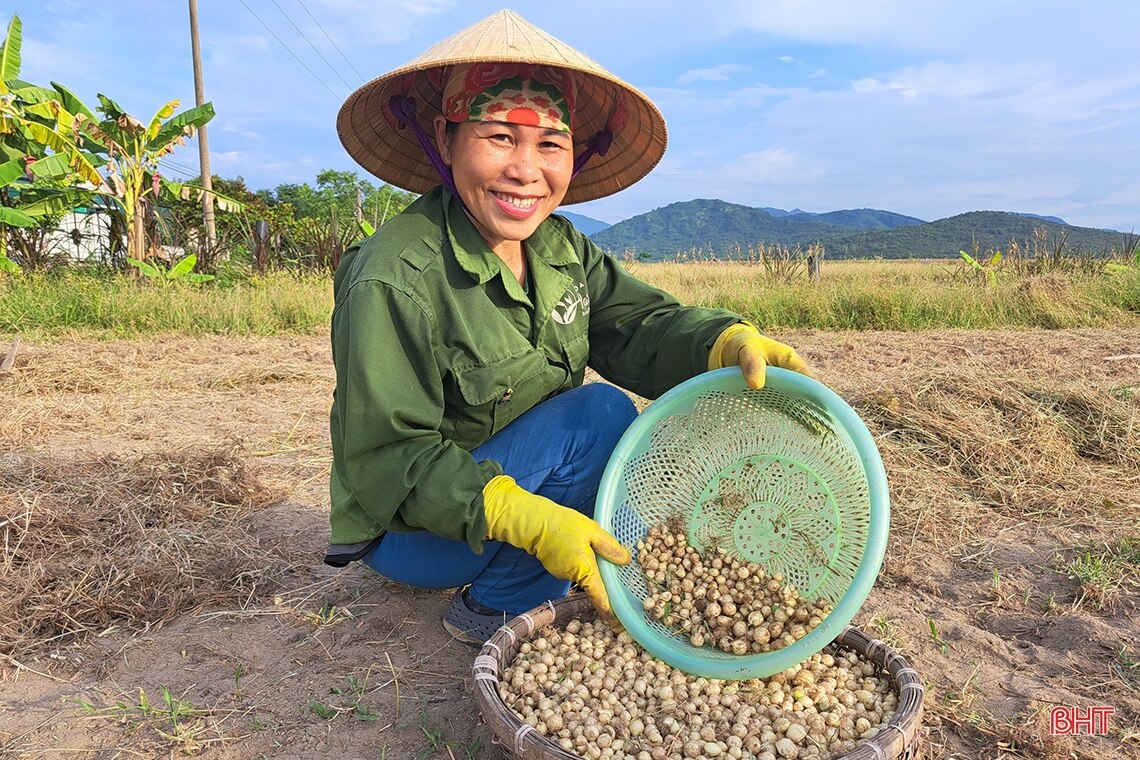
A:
{"x": 1010, "y": 580}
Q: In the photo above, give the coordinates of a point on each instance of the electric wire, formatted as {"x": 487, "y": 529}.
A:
{"x": 178, "y": 169}
{"x": 178, "y": 165}
{"x": 290, "y": 51}
{"x": 314, "y": 47}
{"x": 330, "y": 39}
{"x": 167, "y": 160}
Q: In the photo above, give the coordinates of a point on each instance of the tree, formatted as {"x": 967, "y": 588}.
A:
{"x": 42, "y": 163}
{"x": 117, "y": 154}
{"x": 344, "y": 195}
{"x": 132, "y": 177}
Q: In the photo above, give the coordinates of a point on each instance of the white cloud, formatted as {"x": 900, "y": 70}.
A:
{"x": 769, "y": 167}
{"x": 1128, "y": 195}
{"x": 356, "y": 24}
{"x": 772, "y": 165}
{"x": 719, "y": 73}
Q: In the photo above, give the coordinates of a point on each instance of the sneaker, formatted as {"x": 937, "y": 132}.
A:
{"x": 470, "y": 622}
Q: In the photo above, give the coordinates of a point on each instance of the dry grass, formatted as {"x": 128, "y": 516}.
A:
{"x": 1016, "y": 449}
{"x": 1029, "y": 737}
{"x": 994, "y": 469}
{"x": 262, "y": 376}
{"x": 90, "y": 545}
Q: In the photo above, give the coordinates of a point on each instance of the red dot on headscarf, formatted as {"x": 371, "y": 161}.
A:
{"x": 525, "y": 116}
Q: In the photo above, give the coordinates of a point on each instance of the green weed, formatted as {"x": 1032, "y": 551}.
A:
{"x": 885, "y": 629}
{"x": 173, "y": 718}
{"x": 326, "y": 616}
{"x": 956, "y": 703}
{"x": 239, "y": 671}
{"x": 71, "y": 303}
{"x": 436, "y": 743}
{"x": 1105, "y": 572}
{"x": 938, "y": 640}
{"x": 350, "y": 702}
{"x": 1127, "y": 666}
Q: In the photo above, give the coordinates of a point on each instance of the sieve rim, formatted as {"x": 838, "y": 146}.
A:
{"x": 703, "y": 661}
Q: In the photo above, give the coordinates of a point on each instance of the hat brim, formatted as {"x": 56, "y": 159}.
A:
{"x": 370, "y": 134}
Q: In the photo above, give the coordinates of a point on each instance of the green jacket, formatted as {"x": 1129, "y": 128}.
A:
{"x": 437, "y": 347}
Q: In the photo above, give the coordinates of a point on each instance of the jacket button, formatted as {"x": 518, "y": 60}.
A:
{"x": 507, "y": 394}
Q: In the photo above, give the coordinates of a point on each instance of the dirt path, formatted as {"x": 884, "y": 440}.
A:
{"x": 977, "y": 590}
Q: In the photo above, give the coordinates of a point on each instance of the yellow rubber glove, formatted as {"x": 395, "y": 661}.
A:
{"x": 743, "y": 345}
{"x": 562, "y": 539}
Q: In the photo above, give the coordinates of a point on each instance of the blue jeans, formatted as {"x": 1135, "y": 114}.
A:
{"x": 559, "y": 450}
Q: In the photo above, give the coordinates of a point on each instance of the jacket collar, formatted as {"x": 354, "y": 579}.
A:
{"x": 472, "y": 253}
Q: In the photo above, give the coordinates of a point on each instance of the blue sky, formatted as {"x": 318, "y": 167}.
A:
{"x": 923, "y": 108}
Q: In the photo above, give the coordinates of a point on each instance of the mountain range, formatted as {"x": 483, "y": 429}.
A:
{"x": 718, "y": 228}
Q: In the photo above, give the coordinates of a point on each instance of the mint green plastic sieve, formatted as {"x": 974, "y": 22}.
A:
{"x": 815, "y": 505}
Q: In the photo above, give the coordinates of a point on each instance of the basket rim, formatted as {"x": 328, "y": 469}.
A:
{"x": 901, "y": 735}
{"x": 679, "y": 653}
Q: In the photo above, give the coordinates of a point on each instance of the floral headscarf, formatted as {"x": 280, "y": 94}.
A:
{"x": 514, "y": 93}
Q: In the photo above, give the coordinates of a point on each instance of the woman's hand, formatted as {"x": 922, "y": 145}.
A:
{"x": 564, "y": 540}
{"x": 742, "y": 345}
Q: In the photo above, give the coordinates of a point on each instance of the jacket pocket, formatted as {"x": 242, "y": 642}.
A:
{"x": 489, "y": 396}
{"x": 576, "y": 352}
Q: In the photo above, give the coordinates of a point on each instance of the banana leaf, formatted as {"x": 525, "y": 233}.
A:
{"x": 109, "y": 125}
{"x": 193, "y": 192}
{"x": 148, "y": 269}
{"x": 176, "y": 126}
{"x": 56, "y": 165}
{"x": 34, "y": 94}
{"x": 183, "y": 267}
{"x": 50, "y": 202}
{"x": 15, "y": 218}
{"x": 10, "y": 171}
{"x": 10, "y": 51}
{"x": 156, "y": 122}
{"x": 78, "y": 161}
{"x": 72, "y": 102}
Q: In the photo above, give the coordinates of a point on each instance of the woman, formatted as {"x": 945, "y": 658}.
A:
{"x": 467, "y": 453}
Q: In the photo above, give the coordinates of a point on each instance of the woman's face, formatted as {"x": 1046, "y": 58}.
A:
{"x": 510, "y": 176}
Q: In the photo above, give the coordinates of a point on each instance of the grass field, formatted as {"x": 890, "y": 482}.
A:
{"x": 164, "y": 463}
{"x": 851, "y": 295}
{"x": 164, "y": 511}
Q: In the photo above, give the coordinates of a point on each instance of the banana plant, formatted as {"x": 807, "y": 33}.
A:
{"x": 183, "y": 270}
{"x": 57, "y": 135}
{"x": 44, "y": 162}
{"x": 987, "y": 267}
{"x": 133, "y": 149}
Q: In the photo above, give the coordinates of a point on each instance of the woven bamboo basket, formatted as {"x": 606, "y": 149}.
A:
{"x": 901, "y": 739}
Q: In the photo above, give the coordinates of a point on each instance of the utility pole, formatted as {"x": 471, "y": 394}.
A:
{"x": 203, "y": 146}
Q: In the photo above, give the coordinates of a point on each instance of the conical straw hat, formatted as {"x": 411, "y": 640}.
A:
{"x": 371, "y": 135}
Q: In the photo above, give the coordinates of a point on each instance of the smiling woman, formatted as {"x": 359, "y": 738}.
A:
{"x": 467, "y": 452}
{"x": 509, "y": 177}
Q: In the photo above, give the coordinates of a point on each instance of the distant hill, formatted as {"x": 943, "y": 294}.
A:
{"x": 719, "y": 227}
{"x": 945, "y": 237}
{"x": 1053, "y": 219}
{"x": 779, "y": 212}
{"x": 865, "y": 219}
{"x": 584, "y": 224}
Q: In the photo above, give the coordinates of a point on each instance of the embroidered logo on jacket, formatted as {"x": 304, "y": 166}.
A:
{"x": 573, "y": 303}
